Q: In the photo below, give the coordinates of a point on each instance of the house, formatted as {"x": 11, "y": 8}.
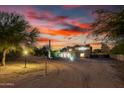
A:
{"x": 76, "y": 52}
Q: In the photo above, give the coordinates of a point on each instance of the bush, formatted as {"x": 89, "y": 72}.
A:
{"x": 118, "y": 49}
{"x": 97, "y": 51}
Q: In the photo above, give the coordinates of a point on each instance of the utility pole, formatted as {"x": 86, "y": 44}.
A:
{"x": 49, "y": 56}
{"x": 49, "y": 49}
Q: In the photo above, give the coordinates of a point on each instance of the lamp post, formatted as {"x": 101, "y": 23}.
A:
{"x": 25, "y": 53}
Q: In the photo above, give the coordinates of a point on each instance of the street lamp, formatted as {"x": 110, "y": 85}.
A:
{"x": 25, "y": 53}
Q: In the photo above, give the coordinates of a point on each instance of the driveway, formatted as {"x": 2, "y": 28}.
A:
{"x": 84, "y": 73}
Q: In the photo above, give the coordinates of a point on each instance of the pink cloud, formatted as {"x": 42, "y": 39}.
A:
{"x": 45, "y": 15}
{"x": 53, "y": 20}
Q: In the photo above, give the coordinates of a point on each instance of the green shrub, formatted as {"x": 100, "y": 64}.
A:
{"x": 118, "y": 49}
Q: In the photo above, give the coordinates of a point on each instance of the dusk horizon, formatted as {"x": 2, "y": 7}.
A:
{"x": 61, "y": 46}
{"x": 66, "y": 25}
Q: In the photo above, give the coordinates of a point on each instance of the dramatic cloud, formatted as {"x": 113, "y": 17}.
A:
{"x": 45, "y": 15}
{"x": 63, "y": 32}
{"x": 70, "y": 26}
{"x": 63, "y": 25}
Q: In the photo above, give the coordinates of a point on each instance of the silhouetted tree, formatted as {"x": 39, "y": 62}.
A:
{"x": 109, "y": 23}
{"x": 97, "y": 51}
{"x": 45, "y": 51}
{"x": 105, "y": 48}
{"x": 41, "y": 51}
{"x": 118, "y": 49}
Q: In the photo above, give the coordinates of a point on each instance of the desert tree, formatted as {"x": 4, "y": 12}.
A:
{"x": 109, "y": 23}
{"x": 15, "y": 31}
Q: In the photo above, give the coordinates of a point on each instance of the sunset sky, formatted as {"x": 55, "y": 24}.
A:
{"x": 63, "y": 25}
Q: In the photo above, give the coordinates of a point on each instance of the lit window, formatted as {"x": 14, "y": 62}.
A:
{"x": 82, "y": 54}
{"x": 70, "y": 49}
{"x": 83, "y": 48}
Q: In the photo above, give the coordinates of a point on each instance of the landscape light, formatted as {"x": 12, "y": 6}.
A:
{"x": 25, "y": 52}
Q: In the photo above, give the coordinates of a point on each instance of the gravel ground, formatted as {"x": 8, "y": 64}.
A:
{"x": 84, "y": 73}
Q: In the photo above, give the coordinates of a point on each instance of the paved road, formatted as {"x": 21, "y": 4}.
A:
{"x": 87, "y": 73}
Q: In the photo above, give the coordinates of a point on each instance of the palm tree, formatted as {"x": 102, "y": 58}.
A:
{"x": 14, "y": 32}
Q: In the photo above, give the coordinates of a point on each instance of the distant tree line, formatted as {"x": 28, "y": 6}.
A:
{"x": 41, "y": 51}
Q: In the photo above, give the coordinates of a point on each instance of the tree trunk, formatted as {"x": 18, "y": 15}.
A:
{"x": 4, "y": 57}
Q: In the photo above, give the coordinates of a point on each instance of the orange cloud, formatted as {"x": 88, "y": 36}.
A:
{"x": 74, "y": 26}
{"x": 61, "y": 32}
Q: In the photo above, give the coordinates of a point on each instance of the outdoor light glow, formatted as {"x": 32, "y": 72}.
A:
{"x": 68, "y": 55}
{"x": 25, "y": 52}
{"x": 71, "y": 58}
{"x": 65, "y": 55}
{"x": 82, "y": 54}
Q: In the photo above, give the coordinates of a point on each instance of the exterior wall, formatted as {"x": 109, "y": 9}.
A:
{"x": 96, "y": 46}
{"x": 118, "y": 57}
